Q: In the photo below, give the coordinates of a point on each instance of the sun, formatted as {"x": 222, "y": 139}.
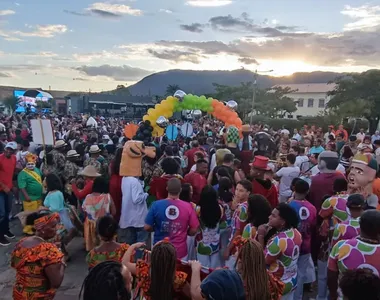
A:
{"x": 285, "y": 67}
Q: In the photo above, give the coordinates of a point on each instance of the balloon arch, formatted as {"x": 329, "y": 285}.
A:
{"x": 180, "y": 101}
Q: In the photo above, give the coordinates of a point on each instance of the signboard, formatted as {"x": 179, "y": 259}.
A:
{"x": 42, "y": 131}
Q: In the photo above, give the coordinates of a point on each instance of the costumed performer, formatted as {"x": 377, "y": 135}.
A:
{"x": 246, "y": 148}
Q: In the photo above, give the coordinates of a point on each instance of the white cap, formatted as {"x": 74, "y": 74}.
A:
{"x": 12, "y": 145}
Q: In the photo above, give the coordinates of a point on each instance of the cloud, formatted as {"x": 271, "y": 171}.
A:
{"x": 43, "y": 31}
{"x": 194, "y": 27}
{"x": 80, "y": 79}
{"x": 366, "y": 17}
{"x": 208, "y": 3}
{"x": 120, "y": 73}
{"x": 7, "y": 12}
{"x": 5, "y": 75}
{"x": 75, "y": 13}
{"x": 177, "y": 55}
{"x": 248, "y": 61}
{"x": 167, "y": 11}
{"x": 105, "y": 9}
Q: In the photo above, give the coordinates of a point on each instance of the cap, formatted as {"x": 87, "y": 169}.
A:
{"x": 355, "y": 201}
{"x": 11, "y": 145}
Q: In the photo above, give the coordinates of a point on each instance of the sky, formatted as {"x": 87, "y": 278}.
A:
{"x": 96, "y": 45}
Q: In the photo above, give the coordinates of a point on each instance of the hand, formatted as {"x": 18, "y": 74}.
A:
{"x": 6, "y": 189}
{"x": 137, "y": 245}
{"x": 72, "y": 181}
{"x": 263, "y": 229}
{"x": 195, "y": 266}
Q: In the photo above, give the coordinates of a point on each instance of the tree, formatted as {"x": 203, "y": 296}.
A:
{"x": 358, "y": 95}
{"x": 171, "y": 89}
{"x": 11, "y": 103}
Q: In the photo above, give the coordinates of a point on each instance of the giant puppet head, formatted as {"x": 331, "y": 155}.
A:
{"x": 246, "y": 131}
{"x": 133, "y": 153}
{"x": 233, "y": 137}
{"x": 362, "y": 173}
{"x": 328, "y": 161}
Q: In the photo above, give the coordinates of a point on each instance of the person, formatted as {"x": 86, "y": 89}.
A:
{"x": 172, "y": 218}
{"x": 360, "y": 284}
{"x": 259, "y": 211}
{"x": 360, "y": 135}
{"x": 190, "y": 154}
{"x": 228, "y": 164}
{"x": 109, "y": 249}
{"x": 340, "y": 142}
{"x": 239, "y": 219}
{"x": 221, "y": 284}
{"x": 58, "y": 156}
{"x": 296, "y": 135}
{"x": 365, "y": 146}
{"x": 70, "y": 169}
{"x": 317, "y": 148}
{"x": 375, "y": 136}
{"x": 20, "y": 155}
{"x": 307, "y": 215}
{"x": 261, "y": 186}
{"x": 107, "y": 280}
{"x": 210, "y": 214}
{"x": 345, "y": 158}
{"x": 350, "y": 229}
{"x": 217, "y": 159}
{"x": 259, "y": 283}
{"x": 89, "y": 173}
{"x": 286, "y": 175}
{"x": 360, "y": 252}
{"x": 198, "y": 179}
{"x": 159, "y": 279}
{"x": 186, "y": 193}
{"x": 29, "y": 182}
{"x": 198, "y": 156}
{"x": 330, "y": 131}
{"x": 7, "y": 169}
{"x": 115, "y": 183}
{"x": 302, "y": 161}
{"x": 281, "y": 251}
{"x": 39, "y": 264}
{"x": 96, "y": 160}
{"x": 342, "y": 131}
{"x": 96, "y": 205}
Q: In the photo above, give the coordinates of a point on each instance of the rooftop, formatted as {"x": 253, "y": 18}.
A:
{"x": 309, "y": 87}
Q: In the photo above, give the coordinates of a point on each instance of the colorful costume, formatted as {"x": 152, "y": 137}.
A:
{"x": 94, "y": 258}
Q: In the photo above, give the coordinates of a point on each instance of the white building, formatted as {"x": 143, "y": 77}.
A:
{"x": 311, "y": 99}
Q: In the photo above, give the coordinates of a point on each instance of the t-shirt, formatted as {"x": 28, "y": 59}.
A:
{"x": 55, "y": 201}
{"x": 307, "y": 215}
{"x": 239, "y": 218}
{"x": 315, "y": 150}
{"x": 335, "y": 208}
{"x": 302, "y": 163}
{"x": 281, "y": 255}
{"x": 287, "y": 175}
{"x": 30, "y": 184}
{"x": 172, "y": 219}
{"x": 340, "y": 168}
{"x": 7, "y": 169}
{"x": 346, "y": 230}
{"x": 231, "y": 173}
{"x": 198, "y": 182}
{"x": 249, "y": 232}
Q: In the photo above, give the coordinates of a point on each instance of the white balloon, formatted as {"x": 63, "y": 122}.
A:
{"x": 180, "y": 95}
{"x": 232, "y": 104}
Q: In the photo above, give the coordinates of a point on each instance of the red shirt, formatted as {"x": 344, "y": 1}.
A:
{"x": 266, "y": 189}
{"x": 87, "y": 190}
{"x": 158, "y": 186}
{"x": 198, "y": 182}
{"x": 190, "y": 156}
{"x": 7, "y": 169}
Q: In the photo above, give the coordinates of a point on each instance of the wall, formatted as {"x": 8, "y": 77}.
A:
{"x": 305, "y": 110}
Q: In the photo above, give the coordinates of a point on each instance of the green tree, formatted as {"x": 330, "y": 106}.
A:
{"x": 10, "y": 103}
{"x": 358, "y": 95}
{"x": 171, "y": 89}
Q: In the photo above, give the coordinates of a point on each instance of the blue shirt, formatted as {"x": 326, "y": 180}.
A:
{"x": 315, "y": 150}
{"x": 54, "y": 201}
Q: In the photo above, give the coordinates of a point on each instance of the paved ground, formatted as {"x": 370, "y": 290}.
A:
{"x": 74, "y": 274}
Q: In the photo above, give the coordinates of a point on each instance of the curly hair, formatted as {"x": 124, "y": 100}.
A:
{"x": 289, "y": 215}
{"x": 360, "y": 284}
{"x": 259, "y": 210}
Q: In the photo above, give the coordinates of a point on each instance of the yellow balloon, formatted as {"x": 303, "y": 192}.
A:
{"x": 157, "y": 131}
{"x": 146, "y": 118}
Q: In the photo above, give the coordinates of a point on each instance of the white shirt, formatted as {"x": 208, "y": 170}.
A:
{"x": 301, "y": 163}
{"x": 326, "y": 136}
{"x": 287, "y": 175}
{"x": 285, "y": 131}
{"x": 360, "y": 136}
{"x": 315, "y": 170}
{"x": 296, "y": 137}
{"x": 133, "y": 207}
{"x": 213, "y": 162}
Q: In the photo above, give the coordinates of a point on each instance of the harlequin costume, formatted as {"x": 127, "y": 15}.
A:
{"x": 30, "y": 180}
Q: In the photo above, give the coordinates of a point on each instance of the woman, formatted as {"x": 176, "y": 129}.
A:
{"x": 115, "y": 182}
{"x": 108, "y": 280}
{"x": 158, "y": 280}
{"x": 186, "y": 193}
{"x": 259, "y": 283}
{"x": 109, "y": 249}
{"x": 346, "y": 157}
{"x": 39, "y": 264}
{"x": 259, "y": 211}
{"x": 210, "y": 214}
{"x": 282, "y": 250}
{"x": 96, "y": 205}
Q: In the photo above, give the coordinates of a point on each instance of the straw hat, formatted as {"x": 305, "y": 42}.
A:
{"x": 94, "y": 149}
{"x": 60, "y": 144}
{"x": 72, "y": 153}
{"x": 90, "y": 171}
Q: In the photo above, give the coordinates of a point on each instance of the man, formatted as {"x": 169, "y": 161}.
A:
{"x": 302, "y": 161}
{"x": 286, "y": 176}
{"x": 172, "y": 218}
{"x": 259, "y": 184}
{"x": 71, "y": 169}
{"x": 317, "y": 148}
{"x": 330, "y": 131}
{"x": 375, "y": 137}
{"x": 190, "y": 153}
{"x": 343, "y": 131}
{"x": 58, "y": 155}
{"x": 198, "y": 179}
{"x": 3, "y": 141}
{"x": 239, "y": 219}
{"x": 7, "y": 169}
{"x": 315, "y": 170}
{"x": 228, "y": 163}
{"x": 296, "y": 135}
{"x": 363, "y": 252}
{"x": 95, "y": 160}
{"x": 360, "y": 135}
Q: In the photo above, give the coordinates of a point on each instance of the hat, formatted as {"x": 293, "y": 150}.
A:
{"x": 90, "y": 171}
{"x": 261, "y": 163}
{"x": 223, "y": 285}
{"x": 94, "y": 149}
{"x": 355, "y": 201}
{"x": 59, "y": 144}
{"x": 106, "y": 137}
{"x": 366, "y": 159}
{"x": 246, "y": 128}
{"x": 11, "y": 145}
{"x": 72, "y": 153}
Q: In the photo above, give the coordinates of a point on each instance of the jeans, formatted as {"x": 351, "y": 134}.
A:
{"x": 322, "y": 280}
{"x": 5, "y": 209}
{"x": 132, "y": 235}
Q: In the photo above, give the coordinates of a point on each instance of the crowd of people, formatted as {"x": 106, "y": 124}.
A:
{"x": 264, "y": 214}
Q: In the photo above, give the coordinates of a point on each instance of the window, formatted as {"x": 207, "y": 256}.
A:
{"x": 321, "y": 103}
{"x": 300, "y": 102}
{"x": 310, "y": 102}
{"x": 290, "y": 116}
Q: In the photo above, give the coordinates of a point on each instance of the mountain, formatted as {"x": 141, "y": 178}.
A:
{"x": 200, "y": 82}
